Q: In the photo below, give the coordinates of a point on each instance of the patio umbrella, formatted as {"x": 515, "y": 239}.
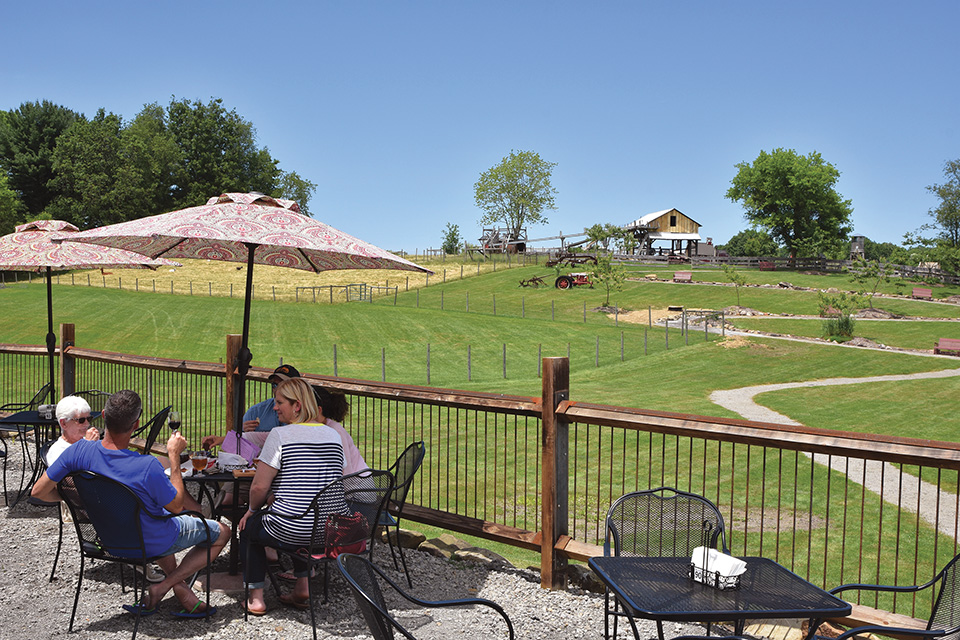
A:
{"x": 31, "y": 248}
{"x": 251, "y": 228}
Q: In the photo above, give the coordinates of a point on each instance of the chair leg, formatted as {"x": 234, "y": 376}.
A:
{"x": 6, "y": 499}
{"x": 56, "y": 556}
{"x": 390, "y": 544}
{"x": 313, "y": 614}
{"x": 76, "y": 596}
{"x": 403, "y": 559}
{"x": 137, "y": 597}
{"x": 326, "y": 581}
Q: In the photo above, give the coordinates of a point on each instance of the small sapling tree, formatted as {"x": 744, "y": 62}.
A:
{"x": 869, "y": 274}
{"x": 610, "y": 274}
{"x": 451, "y": 239}
{"x": 737, "y": 278}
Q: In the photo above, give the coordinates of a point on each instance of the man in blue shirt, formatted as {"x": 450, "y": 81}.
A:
{"x": 160, "y": 495}
{"x": 261, "y": 416}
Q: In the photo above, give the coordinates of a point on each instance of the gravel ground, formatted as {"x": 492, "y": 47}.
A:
{"x": 36, "y": 608}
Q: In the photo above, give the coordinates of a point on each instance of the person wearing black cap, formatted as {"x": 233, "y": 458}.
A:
{"x": 261, "y": 416}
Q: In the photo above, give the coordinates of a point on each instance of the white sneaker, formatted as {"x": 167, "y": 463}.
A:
{"x": 153, "y": 575}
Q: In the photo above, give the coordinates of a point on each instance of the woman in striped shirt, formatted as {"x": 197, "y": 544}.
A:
{"x": 297, "y": 460}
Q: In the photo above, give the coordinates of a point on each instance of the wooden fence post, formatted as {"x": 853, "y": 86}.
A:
{"x": 230, "y": 366}
{"x": 556, "y": 389}
{"x": 68, "y": 366}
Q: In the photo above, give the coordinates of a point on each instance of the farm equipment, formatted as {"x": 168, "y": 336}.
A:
{"x": 573, "y": 280}
{"x": 535, "y": 281}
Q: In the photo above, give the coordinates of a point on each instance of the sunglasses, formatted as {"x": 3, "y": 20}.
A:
{"x": 83, "y": 419}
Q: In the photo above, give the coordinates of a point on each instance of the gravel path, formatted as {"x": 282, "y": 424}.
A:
{"x": 937, "y": 508}
{"x": 35, "y": 608}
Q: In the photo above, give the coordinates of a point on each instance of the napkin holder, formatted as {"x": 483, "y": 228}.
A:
{"x": 701, "y": 571}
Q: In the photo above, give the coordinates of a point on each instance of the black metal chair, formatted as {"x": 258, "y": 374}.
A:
{"x": 22, "y": 431}
{"x": 944, "y": 621}
{"x": 661, "y": 522}
{"x": 107, "y": 518}
{"x": 366, "y": 492}
{"x": 404, "y": 470}
{"x": 151, "y": 429}
{"x": 364, "y": 580}
{"x": 44, "y": 450}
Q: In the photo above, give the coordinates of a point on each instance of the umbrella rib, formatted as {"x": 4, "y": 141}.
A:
{"x": 168, "y": 249}
{"x": 309, "y": 261}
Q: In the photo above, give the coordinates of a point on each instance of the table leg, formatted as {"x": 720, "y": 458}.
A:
{"x": 34, "y": 463}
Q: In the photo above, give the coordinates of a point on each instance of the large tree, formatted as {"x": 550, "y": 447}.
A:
{"x": 11, "y": 211}
{"x": 516, "y": 192}
{"x": 794, "y": 198}
{"x": 946, "y": 214}
{"x": 751, "y": 242}
{"x": 28, "y": 137}
{"x": 219, "y": 153}
{"x": 105, "y": 172}
{"x": 291, "y": 186}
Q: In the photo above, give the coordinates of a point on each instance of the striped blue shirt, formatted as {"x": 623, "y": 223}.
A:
{"x": 307, "y": 457}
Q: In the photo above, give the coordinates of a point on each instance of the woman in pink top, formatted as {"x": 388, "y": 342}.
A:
{"x": 334, "y": 408}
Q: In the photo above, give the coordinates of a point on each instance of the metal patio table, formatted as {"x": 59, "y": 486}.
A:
{"x": 22, "y": 423}
{"x": 232, "y": 512}
{"x": 661, "y": 589}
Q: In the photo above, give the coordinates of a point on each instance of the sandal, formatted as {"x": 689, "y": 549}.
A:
{"x": 254, "y": 612}
{"x": 194, "y": 613}
{"x": 293, "y": 601}
{"x": 139, "y": 607}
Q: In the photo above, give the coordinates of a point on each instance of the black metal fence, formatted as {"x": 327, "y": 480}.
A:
{"x": 832, "y": 507}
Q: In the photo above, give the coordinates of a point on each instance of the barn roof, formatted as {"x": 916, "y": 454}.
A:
{"x": 650, "y": 217}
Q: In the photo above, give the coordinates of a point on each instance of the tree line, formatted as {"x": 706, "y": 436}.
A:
{"x": 55, "y": 163}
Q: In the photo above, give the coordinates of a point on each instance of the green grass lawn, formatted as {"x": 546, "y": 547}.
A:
{"x": 888, "y": 408}
{"x": 894, "y": 333}
{"x": 649, "y": 376}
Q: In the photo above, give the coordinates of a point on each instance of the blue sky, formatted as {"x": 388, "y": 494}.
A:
{"x": 395, "y": 108}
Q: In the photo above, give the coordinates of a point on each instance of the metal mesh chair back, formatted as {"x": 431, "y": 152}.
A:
{"x": 366, "y": 591}
{"x": 366, "y": 494}
{"x": 946, "y": 609}
{"x": 95, "y": 398}
{"x": 32, "y": 404}
{"x": 153, "y": 427}
{"x": 106, "y": 515}
{"x": 404, "y": 470}
{"x": 662, "y": 522}
{"x": 39, "y": 397}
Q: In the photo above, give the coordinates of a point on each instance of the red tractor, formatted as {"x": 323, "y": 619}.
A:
{"x": 573, "y": 280}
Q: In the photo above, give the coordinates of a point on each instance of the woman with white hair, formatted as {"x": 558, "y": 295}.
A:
{"x": 73, "y": 414}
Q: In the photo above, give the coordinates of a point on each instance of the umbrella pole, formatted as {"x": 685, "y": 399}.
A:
{"x": 244, "y": 357}
{"x": 51, "y": 338}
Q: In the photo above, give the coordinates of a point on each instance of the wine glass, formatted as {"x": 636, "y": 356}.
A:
{"x": 173, "y": 420}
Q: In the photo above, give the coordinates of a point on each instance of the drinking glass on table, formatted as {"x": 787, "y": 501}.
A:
{"x": 199, "y": 460}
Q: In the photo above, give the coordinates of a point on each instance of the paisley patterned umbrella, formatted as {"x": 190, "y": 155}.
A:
{"x": 251, "y": 228}
{"x": 31, "y": 248}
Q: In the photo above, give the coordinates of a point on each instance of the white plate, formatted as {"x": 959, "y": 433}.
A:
{"x": 185, "y": 471}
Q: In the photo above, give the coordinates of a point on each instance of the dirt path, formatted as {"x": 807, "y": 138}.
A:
{"x": 938, "y": 508}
